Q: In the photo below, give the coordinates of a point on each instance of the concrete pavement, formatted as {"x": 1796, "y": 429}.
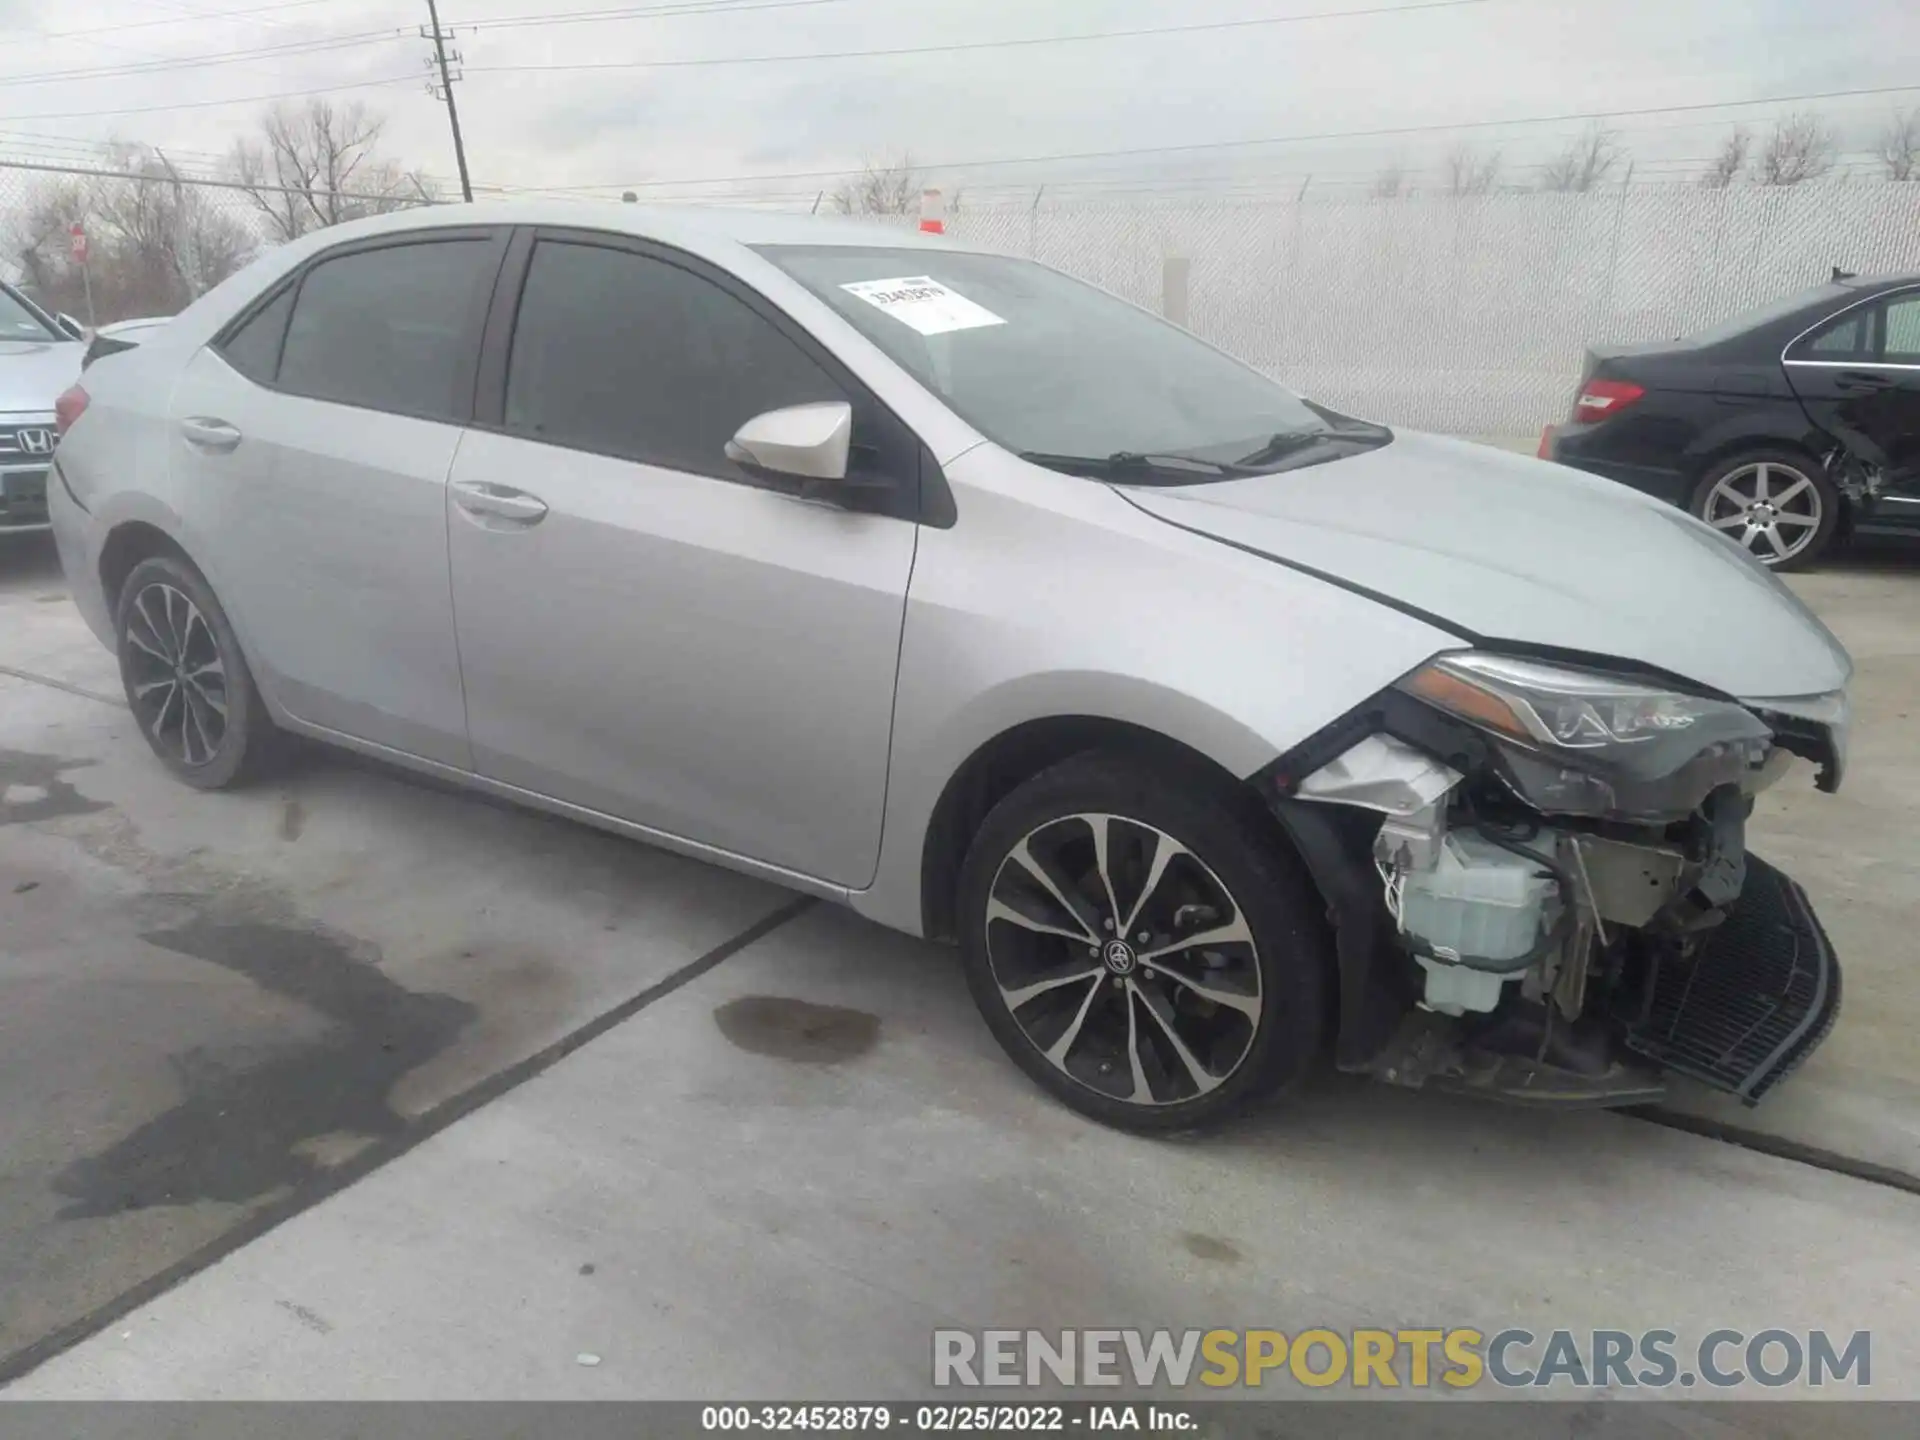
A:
{"x": 778, "y": 1180}
{"x": 1858, "y": 854}
{"x": 217, "y": 1008}
{"x": 209, "y": 1003}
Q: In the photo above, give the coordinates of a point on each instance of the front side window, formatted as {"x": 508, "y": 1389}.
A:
{"x": 1902, "y": 329}
{"x": 389, "y": 329}
{"x": 627, "y": 355}
{"x": 1045, "y": 365}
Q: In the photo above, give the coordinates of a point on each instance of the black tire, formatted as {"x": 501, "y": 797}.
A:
{"x": 1784, "y": 470}
{"x": 1290, "y": 952}
{"x": 167, "y": 623}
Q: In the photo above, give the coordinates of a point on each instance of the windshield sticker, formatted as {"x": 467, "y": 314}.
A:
{"x": 923, "y": 303}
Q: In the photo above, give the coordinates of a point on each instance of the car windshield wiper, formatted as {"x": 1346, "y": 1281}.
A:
{"x": 1122, "y": 463}
{"x": 1291, "y": 442}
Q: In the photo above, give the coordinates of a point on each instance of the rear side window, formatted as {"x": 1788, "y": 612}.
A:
{"x": 631, "y": 356}
{"x": 390, "y": 329}
{"x": 254, "y": 349}
{"x": 1851, "y": 337}
{"x": 1902, "y": 328}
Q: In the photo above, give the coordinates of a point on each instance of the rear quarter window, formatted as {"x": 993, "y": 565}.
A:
{"x": 254, "y": 347}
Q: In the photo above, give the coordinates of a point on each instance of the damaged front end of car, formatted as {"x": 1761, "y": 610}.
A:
{"x": 1540, "y": 886}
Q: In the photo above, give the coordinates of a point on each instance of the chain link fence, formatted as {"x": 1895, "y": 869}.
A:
{"x": 155, "y": 238}
{"x": 1464, "y": 315}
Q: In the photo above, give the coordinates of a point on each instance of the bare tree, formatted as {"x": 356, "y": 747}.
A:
{"x": 1586, "y": 161}
{"x": 1467, "y": 172}
{"x": 36, "y": 240}
{"x": 1728, "y": 161}
{"x": 1801, "y": 148}
{"x": 892, "y": 188}
{"x": 1899, "y": 146}
{"x": 156, "y": 242}
{"x": 1391, "y": 182}
{"x": 319, "y": 165}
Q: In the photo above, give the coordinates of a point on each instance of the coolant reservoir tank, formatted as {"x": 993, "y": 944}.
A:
{"x": 1479, "y": 900}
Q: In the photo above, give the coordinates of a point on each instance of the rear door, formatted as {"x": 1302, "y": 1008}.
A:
{"x": 314, "y": 439}
{"x": 645, "y": 629}
{"x": 1859, "y": 377}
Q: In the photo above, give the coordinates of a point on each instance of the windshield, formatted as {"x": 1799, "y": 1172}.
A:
{"x": 1046, "y": 366}
{"x": 17, "y": 322}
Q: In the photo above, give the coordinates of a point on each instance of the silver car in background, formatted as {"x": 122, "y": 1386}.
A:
{"x": 39, "y": 358}
{"x": 1213, "y": 725}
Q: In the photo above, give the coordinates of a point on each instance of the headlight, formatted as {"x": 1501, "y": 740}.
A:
{"x": 1579, "y": 742}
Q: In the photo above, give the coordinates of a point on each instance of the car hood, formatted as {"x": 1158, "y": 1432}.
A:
{"x": 1499, "y": 547}
{"x": 34, "y": 373}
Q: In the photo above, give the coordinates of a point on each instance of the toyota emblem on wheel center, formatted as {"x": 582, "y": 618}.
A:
{"x": 1119, "y": 957}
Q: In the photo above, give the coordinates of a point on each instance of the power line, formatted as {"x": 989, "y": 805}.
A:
{"x": 252, "y": 187}
{"x": 284, "y": 50}
{"x": 1372, "y": 134}
{"x": 262, "y": 21}
{"x": 983, "y": 44}
{"x": 642, "y": 12}
{"x": 179, "y": 20}
{"x": 412, "y": 79}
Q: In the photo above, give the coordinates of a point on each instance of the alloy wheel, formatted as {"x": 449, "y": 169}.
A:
{"x": 1123, "y": 959}
{"x": 177, "y": 678}
{"x": 1772, "y": 509}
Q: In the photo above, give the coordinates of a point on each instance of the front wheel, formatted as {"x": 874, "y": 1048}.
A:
{"x": 1777, "y": 504}
{"x": 1141, "y": 946}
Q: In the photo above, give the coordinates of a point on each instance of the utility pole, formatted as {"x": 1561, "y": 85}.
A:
{"x": 444, "y": 91}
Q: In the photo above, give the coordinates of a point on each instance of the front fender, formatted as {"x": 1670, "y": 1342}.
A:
{"x": 1053, "y": 597}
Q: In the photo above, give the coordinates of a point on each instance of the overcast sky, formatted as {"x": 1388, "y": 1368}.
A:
{"x": 1497, "y": 59}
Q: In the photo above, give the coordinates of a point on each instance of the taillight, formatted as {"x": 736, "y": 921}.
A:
{"x": 68, "y": 408}
{"x": 1600, "y": 399}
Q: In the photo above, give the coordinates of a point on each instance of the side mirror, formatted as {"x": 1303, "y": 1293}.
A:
{"x": 73, "y": 328}
{"x": 807, "y": 441}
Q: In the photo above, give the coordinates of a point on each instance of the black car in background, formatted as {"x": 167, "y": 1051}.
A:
{"x": 1786, "y": 428}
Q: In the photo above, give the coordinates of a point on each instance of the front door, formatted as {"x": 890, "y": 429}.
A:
{"x": 312, "y": 444}
{"x": 644, "y": 630}
{"x": 1859, "y": 378}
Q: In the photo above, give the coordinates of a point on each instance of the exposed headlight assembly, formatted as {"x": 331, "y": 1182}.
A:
{"x": 1579, "y": 742}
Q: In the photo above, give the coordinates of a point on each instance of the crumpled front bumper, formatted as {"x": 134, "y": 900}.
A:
{"x": 1753, "y": 1001}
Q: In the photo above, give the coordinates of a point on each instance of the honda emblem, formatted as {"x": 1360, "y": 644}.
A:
{"x": 36, "y": 442}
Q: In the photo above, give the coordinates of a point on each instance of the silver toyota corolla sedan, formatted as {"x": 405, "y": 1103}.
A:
{"x": 1217, "y": 728}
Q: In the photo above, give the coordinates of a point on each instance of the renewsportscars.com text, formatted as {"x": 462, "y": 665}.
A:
{"x": 1458, "y": 1358}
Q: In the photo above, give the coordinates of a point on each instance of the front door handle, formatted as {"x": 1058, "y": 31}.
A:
{"x": 1859, "y": 380}
{"x": 501, "y": 502}
{"x": 208, "y": 433}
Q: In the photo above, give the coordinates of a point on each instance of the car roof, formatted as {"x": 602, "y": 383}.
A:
{"x": 1880, "y": 282}
{"x": 699, "y": 229}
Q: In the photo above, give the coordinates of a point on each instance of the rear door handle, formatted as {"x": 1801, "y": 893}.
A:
{"x": 208, "y": 433}
{"x": 1859, "y": 380}
{"x": 501, "y": 502}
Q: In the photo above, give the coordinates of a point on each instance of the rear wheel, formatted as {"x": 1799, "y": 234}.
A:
{"x": 1778, "y": 504}
{"x": 185, "y": 678}
{"x": 1140, "y": 947}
